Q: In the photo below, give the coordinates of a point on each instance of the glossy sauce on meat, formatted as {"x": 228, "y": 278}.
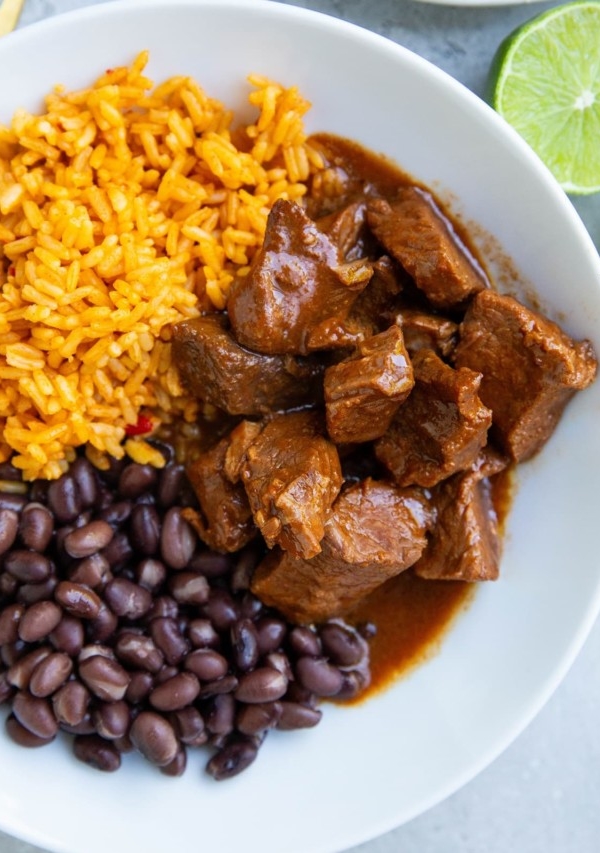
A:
{"x": 381, "y": 495}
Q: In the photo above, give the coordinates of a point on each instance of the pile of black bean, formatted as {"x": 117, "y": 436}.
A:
{"x": 120, "y": 628}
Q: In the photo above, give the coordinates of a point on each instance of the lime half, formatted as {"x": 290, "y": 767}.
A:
{"x": 545, "y": 81}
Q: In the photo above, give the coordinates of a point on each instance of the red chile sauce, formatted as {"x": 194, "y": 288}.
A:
{"x": 411, "y": 615}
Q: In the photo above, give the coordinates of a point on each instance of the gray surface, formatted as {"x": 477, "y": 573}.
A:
{"x": 543, "y": 794}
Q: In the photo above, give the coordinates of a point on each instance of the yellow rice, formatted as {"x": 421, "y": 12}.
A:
{"x": 125, "y": 208}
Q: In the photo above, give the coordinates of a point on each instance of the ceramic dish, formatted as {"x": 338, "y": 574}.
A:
{"x": 367, "y": 768}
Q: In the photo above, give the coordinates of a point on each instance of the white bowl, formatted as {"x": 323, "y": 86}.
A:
{"x": 368, "y": 768}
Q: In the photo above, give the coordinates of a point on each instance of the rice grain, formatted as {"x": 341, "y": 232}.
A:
{"x": 125, "y": 208}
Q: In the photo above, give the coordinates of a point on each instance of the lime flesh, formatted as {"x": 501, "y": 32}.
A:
{"x": 545, "y": 81}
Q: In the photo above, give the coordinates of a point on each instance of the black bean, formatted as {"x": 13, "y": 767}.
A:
{"x": 221, "y": 609}
{"x": 112, "y": 719}
{"x": 70, "y": 703}
{"x": 165, "y": 673}
{"x": 7, "y": 690}
{"x": 9, "y": 472}
{"x": 207, "y": 664}
{"x": 210, "y": 564}
{"x": 118, "y": 551}
{"x": 39, "y": 620}
{"x": 319, "y": 676}
{"x": 35, "y": 715}
{"x": 86, "y": 478}
{"x": 117, "y": 513}
{"x": 123, "y": 744}
{"x": 22, "y": 736}
{"x": 84, "y": 727}
{"x": 227, "y": 684}
{"x": 88, "y": 539}
{"x": 93, "y": 571}
{"x": 50, "y": 674}
{"x": 82, "y": 519}
{"x": 127, "y": 599}
{"x": 353, "y": 683}
{"x": 10, "y": 617}
{"x": 342, "y": 644}
{"x": 271, "y": 633}
{"x": 139, "y": 651}
{"x": 177, "y": 766}
{"x": 10, "y": 653}
{"x": 164, "y": 607}
{"x": 78, "y": 600}
{"x": 170, "y": 482}
{"x": 232, "y": 759}
{"x": 151, "y": 574}
{"x": 31, "y": 593}
{"x": 251, "y": 607}
{"x": 202, "y": 634}
{"x": 19, "y": 672}
{"x": 244, "y": 644}
{"x": 105, "y": 678}
{"x": 68, "y": 636}
{"x": 177, "y": 539}
{"x": 9, "y": 524}
{"x": 144, "y": 529}
{"x": 280, "y": 662}
{"x": 189, "y": 725}
{"x": 64, "y": 499}
{"x": 220, "y": 714}
{"x": 252, "y": 719}
{"x": 62, "y": 558}
{"x": 297, "y": 716}
{"x": 28, "y": 566}
{"x": 103, "y": 626}
{"x": 136, "y": 479}
{"x": 94, "y": 649}
{"x": 139, "y": 687}
{"x": 97, "y": 752}
{"x": 8, "y": 586}
{"x": 297, "y": 693}
{"x": 189, "y": 588}
{"x": 261, "y": 685}
{"x": 176, "y": 693}
{"x": 304, "y": 641}
{"x": 38, "y": 491}
{"x": 166, "y": 634}
{"x": 11, "y": 501}
{"x": 36, "y": 526}
{"x": 154, "y": 737}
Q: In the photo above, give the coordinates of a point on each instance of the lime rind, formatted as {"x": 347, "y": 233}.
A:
{"x": 545, "y": 81}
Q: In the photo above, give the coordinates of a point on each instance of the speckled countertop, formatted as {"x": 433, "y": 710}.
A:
{"x": 543, "y": 794}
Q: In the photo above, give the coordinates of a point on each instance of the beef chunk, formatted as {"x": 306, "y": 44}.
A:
{"x": 299, "y": 290}
{"x": 346, "y": 228}
{"x": 465, "y": 543}
{"x": 376, "y": 531}
{"x": 440, "y": 428}
{"x": 240, "y": 439}
{"x": 427, "y": 331}
{"x": 374, "y": 310}
{"x": 292, "y": 475}
{"x": 224, "y": 522}
{"x": 530, "y": 368}
{"x": 362, "y": 393}
{"x": 414, "y": 231}
{"x": 215, "y": 368}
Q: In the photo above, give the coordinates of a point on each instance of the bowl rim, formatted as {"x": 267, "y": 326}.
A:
{"x": 475, "y": 105}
